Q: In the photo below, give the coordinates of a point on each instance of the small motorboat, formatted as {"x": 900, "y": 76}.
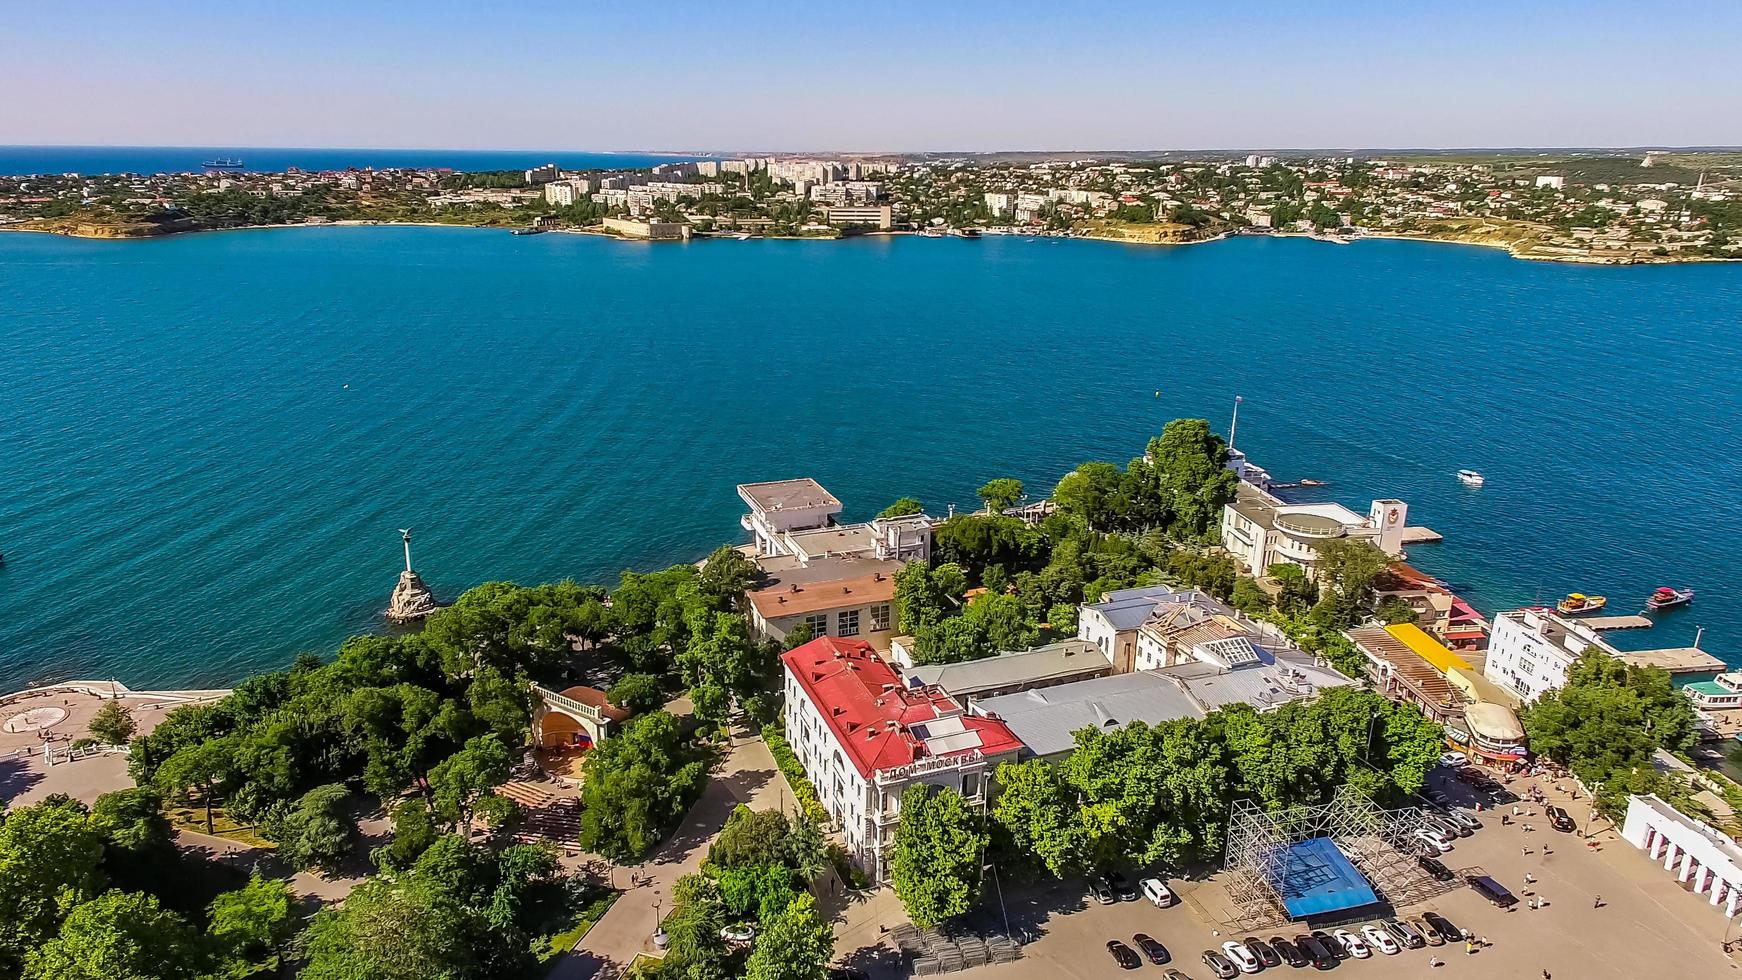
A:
{"x": 1668, "y": 598}
{"x": 1471, "y": 478}
{"x": 1578, "y": 604}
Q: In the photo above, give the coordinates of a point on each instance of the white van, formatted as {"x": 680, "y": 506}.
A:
{"x": 1157, "y": 891}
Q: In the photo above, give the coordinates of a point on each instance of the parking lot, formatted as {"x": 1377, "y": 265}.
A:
{"x": 1647, "y": 925}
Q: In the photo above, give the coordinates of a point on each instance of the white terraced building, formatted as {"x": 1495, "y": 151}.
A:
{"x": 1702, "y": 858}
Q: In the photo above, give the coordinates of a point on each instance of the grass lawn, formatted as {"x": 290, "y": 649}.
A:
{"x": 194, "y": 818}
{"x": 548, "y": 948}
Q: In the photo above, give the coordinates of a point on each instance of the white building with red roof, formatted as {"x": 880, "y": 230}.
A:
{"x": 864, "y": 737}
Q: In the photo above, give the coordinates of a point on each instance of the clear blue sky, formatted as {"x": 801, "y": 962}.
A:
{"x": 743, "y": 74}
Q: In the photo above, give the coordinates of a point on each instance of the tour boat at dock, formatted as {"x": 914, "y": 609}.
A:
{"x": 1668, "y": 598}
{"x": 1578, "y": 604}
{"x": 1470, "y": 478}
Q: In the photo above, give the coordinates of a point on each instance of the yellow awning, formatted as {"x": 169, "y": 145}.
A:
{"x": 1426, "y": 647}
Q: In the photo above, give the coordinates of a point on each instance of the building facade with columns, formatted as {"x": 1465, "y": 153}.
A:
{"x": 1705, "y": 860}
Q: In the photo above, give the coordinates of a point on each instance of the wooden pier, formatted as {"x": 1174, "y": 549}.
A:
{"x": 1422, "y": 535}
{"x": 1603, "y": 624}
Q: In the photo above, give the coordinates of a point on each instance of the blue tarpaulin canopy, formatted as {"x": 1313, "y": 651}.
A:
{"x": 1314, "y": 878}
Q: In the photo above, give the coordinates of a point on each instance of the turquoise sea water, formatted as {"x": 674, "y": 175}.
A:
{"x": 207, "y": 443}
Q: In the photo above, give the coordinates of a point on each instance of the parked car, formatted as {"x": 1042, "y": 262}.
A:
{"x": 1445, "y": 825}
{"x": 1157, "y": 891}
{"x": 1404, "y": 933}
{"x": 1321, "y": 955}
{"x": 1220, "y": 965}
{"x": 1454, "y": 760}
{"x": 1156, "y": 952}
{"x": 1174, "y": 975}
{"x": 1101, "y": 891}
{"x": 1291, "y": 954}
{"x": 1436, "y": 868}
{"x": 1380, "y": 940}
{"x": 1561, "y": 820}
{"x": 1465, "y": 819}
{"x": 1122, "y": 887}
{"x": 1492, "y": 890}
{"x": 1438, "y": 798}
{"x": 847, "y": 973}
{"x": 1267, "y": 957}
{"x": 1123, "y": 955}
{"x": 1443, "y": 926}
{"x": 1241, "y": 957}
{"x": 1438, "y": 838}
{"x": 1331, "y": 944}
{"x": 1428, "y": 933}
{"x": 1353, "y": 943}
{"x": 1475, "y": 777}
{"x": 741, "y": 932}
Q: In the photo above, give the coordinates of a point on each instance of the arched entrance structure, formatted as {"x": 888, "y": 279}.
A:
{"x": 566, "y": 724}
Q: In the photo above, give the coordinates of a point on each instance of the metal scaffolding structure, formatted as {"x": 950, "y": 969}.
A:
{"x": 1378, "y": 842}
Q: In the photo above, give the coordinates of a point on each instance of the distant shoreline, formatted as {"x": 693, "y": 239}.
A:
{"x": 1642, "y": 259}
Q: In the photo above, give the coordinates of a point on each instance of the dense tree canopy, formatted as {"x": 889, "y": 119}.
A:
{"x": 1145, "y": 794}
{"x": 637, "y": 786}
{"x": 935, "y": 864}
{"x": 1609, "y": 718}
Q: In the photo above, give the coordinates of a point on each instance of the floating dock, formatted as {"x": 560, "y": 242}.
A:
{"x": 1603, "y": 624}
{"x": 1422, "y": 535}
{"x": 1676, "y": 660}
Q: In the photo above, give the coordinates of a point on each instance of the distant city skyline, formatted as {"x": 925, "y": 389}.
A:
{"x": 1100, "y": 75}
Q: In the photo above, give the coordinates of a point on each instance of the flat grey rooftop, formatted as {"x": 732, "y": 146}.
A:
{"x": 1044, "y": 719}
{"x": 778, "y": 495}
{"x": 1053, "y": 663}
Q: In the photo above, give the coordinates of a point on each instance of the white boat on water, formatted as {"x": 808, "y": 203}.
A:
{"x": 1470, "y": 478}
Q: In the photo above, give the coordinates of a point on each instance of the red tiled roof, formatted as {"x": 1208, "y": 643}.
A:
{"x": 870, "y": 712}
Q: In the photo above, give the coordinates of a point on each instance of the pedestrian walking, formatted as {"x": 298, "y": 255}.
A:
{"x": 1524, "y": 852}
{"x": 1546, "y": 850}
{"x": 1545, "y": 975}
{"x": 1436, "y": 961}
{"x": 1529, "y": 878}
{"x": 1597, "y": 902}
{"x": 1469, "y": 948}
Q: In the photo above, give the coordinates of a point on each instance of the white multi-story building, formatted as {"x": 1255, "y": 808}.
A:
{"x": 1260, "y": 530}
{"x": 863, "y": 738}
{"x": 1703, "y": 859}
{"x": 543, "y": 174}
{"x": 1000, "y": 204}
{"x": 1531, "y": 650}
{"x": 779, "y": 506}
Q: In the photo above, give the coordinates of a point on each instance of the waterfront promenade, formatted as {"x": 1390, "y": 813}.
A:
{"x": 42, "y": 724}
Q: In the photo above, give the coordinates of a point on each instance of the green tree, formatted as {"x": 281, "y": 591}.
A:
{"x": 795, "y": 944}
{"x": 112, "y": 724}
{"x": 1609, "y": 717}
{"x": 201, "y": 767}
{"x": 389, "y": 930}
{"x": 1297, "y": 592}
{"x": 1062, "y": 617}
{"x": 903, "y": 507}
{"x": 138, "y": 844}
{"x": 637, "y": 785}
{"x": 1186, "y": 470}
{"x": 120, "y": 936}
{"x": 751, "y": 838}
{"x": 319, "y": 831}
{"x": 1039, "y": 812}
{"x": 1347, "y": 569}
{"x": 935, "y": 864}
{"x": 639, "y": 693}
{"x": 252, "y": 920}
{"x": 49, "y": 857}
{"x": 694, "y": 949}
{"x": 726, "y": 575}
{"x": 1001, "y": 494}
{"x": 461, "y": 784}
{"x": 1249, "y": 598}
{"x": 414, "y": 830}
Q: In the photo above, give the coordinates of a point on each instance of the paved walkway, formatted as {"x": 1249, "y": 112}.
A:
{"x": 747, "y": 775}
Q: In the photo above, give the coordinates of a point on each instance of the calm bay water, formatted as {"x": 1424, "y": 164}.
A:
{"x": 183, "y": 159}
{"x": 207, "y": 443}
